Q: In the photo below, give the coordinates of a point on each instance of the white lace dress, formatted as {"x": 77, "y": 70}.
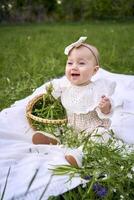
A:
{"x": 81, "y": 103}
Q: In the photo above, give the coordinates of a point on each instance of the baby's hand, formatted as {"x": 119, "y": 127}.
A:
{"x": 105, "y": 105}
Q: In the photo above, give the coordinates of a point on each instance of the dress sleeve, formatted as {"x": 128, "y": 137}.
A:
{"x": 108, "y": 89}
{"x": 59, "y": 86}
{"x": 102, "y": 115}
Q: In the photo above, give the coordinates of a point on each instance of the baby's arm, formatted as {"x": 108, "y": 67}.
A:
{"x": 105, "y": 105}
{"x": 104, "y": 108}
{"x": 110, "y": 101}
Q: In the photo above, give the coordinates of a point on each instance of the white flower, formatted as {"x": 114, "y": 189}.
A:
{"x": 105, "y": 159}
{"x": 3, "y": 6}
{"x": 29, "y": 37}
{"x": 84, "y": 184}
{"x": 58, "y": 1}
{"x": 122, "y": 167}
{"x": 114, "y": 190}
{"x": 10, "y": 6}
{"x": 129, "y": 175}
{"x": 8, "y": 80}
{"x": 132, "y": 168}
{"x": 121, "y": 197}
{"x": 105, "y": 176}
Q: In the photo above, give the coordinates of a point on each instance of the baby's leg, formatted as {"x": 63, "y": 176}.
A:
{"x": 41, "y": 137}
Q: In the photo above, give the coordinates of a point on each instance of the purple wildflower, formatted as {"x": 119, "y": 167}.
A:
{"x": 100, "y": 190}
{"x": 87, "y": 177}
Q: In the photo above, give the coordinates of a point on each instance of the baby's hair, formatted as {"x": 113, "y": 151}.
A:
{"x": 93, "y": 50}
{"x": 81, "y": 42}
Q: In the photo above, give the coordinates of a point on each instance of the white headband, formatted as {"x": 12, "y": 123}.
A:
{"x": 77, "y": 44}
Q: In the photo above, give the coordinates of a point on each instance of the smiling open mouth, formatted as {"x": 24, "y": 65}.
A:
{"x": 73, "y": 74}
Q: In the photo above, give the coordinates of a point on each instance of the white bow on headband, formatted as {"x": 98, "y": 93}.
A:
{"x": 75, "y": 44}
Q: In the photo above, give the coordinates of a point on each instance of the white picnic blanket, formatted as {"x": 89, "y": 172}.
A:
{"x": 20, "y": 160}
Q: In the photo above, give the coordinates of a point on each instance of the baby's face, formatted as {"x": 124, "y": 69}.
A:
{"x": 80, "y": 66}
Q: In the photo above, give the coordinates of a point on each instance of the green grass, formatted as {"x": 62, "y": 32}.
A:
{"x": 32, "y": 54}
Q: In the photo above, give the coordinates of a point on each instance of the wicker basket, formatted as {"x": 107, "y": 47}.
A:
{"x": 31, "y": 117}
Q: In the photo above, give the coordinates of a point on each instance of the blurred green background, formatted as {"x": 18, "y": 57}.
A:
{"x": 33, "y": 54}
{"x": 34, "y": 33}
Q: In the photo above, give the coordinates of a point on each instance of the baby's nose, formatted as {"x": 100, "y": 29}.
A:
{"x": 75, "y": 66}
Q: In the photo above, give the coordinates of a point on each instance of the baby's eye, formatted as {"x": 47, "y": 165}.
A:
{"x": 69, "y": 63}
{"x": 81, "y": 63}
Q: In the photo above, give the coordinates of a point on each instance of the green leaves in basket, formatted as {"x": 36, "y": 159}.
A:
{"x": 48, "y": 107}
